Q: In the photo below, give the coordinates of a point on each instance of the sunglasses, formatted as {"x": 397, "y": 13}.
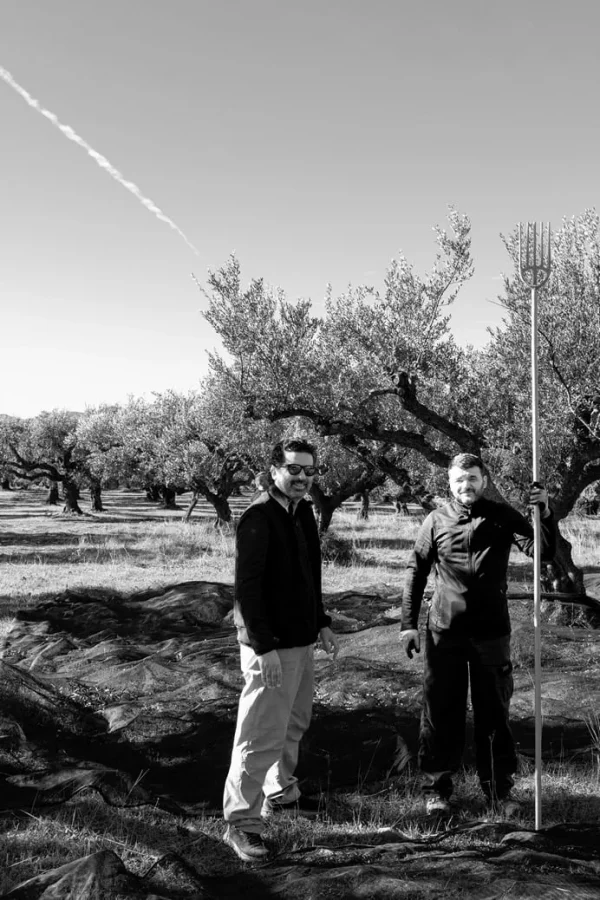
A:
{"x": 295, "y": 469}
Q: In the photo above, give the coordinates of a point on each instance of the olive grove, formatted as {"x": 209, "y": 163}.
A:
{"x": 382, "y": 373}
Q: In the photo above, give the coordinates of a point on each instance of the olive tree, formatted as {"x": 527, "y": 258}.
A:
{"x": 211, "y": 447}
{"x": 45, "y": 447}
{"x": 382, "y": 368}
{"x": 375, "y": 367}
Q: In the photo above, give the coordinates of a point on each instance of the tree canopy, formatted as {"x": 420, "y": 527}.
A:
{"x": 383, "y": 373}
{"x": 374, "y": 368}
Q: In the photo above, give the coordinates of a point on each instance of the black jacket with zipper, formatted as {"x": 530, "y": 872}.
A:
{"x": 469, "y": 549}
{"x": 278, "y": 600}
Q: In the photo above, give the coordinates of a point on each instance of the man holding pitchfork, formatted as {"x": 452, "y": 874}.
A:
{"x": 467, "y": 542}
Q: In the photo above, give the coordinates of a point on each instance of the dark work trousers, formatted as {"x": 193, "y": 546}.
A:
{"x": 451, "y": 661}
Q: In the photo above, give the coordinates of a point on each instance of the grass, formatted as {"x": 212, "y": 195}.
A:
{"x": 355, "y": 822}
{"x": 48, "y": 553}
{"x": 137, "y": 547}
{"x": 132, "y": 546}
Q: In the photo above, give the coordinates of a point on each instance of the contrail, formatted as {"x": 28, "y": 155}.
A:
{"x": 102, "y": 161}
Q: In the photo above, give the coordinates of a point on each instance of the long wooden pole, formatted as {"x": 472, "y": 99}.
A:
{"x": 534, "y": 269}
{"x": 537, "y": 561}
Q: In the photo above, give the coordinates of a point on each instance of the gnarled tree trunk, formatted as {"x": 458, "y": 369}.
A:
{"x": 71, "y": 496}
{"x": 363, "y": 510}
{"x": 562, "y": 575}
{"x": 96, "y": 496}
{"x": 167, "y": 497}
{"x": 326, "y": 505}
{"x": 222, "y": 509}
{"x": 53, "y": 496}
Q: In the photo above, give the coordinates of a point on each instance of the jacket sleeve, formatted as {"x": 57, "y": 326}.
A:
{"x": 251, "y": 615}
{"x": 419, "y": 567}
{"x": 523, "y": 535}
{"x": 314, "y": 543}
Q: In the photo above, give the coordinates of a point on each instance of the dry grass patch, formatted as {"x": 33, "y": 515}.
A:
{"x": 43, "y": 552}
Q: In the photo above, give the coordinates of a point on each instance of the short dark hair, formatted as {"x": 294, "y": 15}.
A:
{"x": 466, "y": 461}
{"x": 296, "y": 445}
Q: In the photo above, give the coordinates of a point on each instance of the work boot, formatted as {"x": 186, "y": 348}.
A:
{"x": 249, "y": 846}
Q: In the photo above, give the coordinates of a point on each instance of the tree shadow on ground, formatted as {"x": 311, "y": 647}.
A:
{"x": 374, "y": 563}
{"x": 80, "y": 547}
{"x": 380, "y": 543}
{"x": 44, "y": 512}
{"x": 45, "y": 539}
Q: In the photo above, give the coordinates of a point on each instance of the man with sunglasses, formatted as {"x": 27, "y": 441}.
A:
{"x": 278, "y": 612}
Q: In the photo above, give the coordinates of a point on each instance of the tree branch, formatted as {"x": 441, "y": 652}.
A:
{"x": 28, "y": 468}
{"x": 406, "y": 389}
{"x": 327, "y": 426}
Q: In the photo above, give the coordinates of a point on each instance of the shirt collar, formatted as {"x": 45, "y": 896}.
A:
{"x": 287, "y": 503}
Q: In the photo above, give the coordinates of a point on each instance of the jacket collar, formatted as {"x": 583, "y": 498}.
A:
{"x": 468, "y": 512}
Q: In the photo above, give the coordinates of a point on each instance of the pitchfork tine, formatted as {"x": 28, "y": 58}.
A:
{"x": 536, "y": 257}
{"x": 520, "y": 243}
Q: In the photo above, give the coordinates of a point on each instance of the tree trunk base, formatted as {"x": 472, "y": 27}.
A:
{"x": 563, "y": 577}
{"x": 71, "y": 511}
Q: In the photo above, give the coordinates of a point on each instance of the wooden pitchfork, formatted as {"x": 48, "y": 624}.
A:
{"x": 535, "y": 260}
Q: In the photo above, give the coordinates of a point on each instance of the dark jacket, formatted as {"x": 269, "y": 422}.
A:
{"x": 278, "y": 600}
{"x": 469, "y": 549}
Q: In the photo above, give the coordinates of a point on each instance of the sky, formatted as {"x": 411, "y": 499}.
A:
{"x": 316, "y": 140}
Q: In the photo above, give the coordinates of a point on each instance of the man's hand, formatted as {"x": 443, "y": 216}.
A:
{"x": 329, "y": 642}
{"x": 538, "y": 496}
{"x": 411, "y": 641}
{"x": 270, "y": 669}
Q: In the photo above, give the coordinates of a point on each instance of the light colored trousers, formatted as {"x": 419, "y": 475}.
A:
{"x": 270, "y": 724}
